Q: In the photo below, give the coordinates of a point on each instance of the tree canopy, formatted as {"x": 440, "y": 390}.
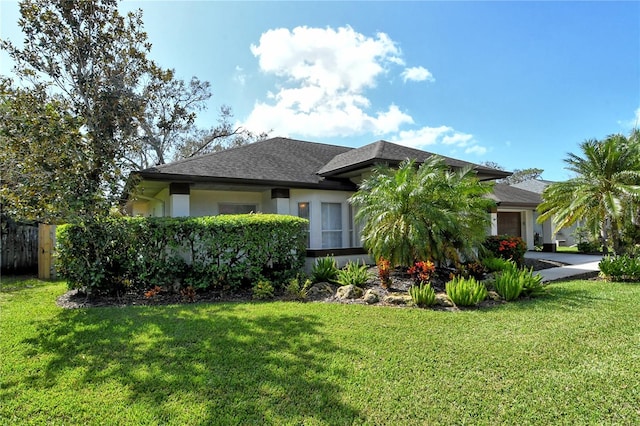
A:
{"x": 88, "y": 66}
{"x": 423, "y": 212}
{"x": 605, "y": 192}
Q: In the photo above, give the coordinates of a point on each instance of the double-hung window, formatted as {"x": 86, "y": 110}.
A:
{"x": 303, "y": 212}
{"x": 331, "y": 225}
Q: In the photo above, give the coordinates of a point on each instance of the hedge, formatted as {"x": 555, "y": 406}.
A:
{"x": 113, "y": 255}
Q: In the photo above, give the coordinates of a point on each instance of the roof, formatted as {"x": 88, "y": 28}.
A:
{"x": 272, "y": 161}
{"x": 387, "y": 152}
{"x": 510, "y": 196}
{"x": 294, "y": 163}
{"x": 533, "y": 185}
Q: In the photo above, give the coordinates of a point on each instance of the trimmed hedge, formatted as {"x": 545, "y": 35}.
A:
{"x": 113, "y": 255}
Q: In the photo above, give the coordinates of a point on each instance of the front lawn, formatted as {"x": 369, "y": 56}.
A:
{"x": 570, "y": 357}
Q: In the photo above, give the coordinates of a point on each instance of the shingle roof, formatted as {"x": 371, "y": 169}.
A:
{"x": 294, "y": 163}
{"x": 533, "y": 185}
{"x": 273, "y": 160}
{"x": 506, "y": 195}
{"x": 383, "y": 151}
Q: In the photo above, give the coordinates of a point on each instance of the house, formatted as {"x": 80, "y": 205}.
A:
{"x": 565, "y": 236}
{"x": 306, "y": 179}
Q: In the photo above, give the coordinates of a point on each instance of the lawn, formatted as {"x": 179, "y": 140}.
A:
{"x": 570, "y": 357}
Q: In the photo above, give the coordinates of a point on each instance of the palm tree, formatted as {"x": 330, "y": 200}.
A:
{"x": 417, "y": 213}
{"x": 603, "y": 192}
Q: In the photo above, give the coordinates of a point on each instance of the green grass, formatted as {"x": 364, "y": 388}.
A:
{"x": 567, "y": 249}
{"x": 572, "y": 357}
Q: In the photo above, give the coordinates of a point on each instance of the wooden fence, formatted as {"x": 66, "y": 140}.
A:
{"x": 19, "y": 247}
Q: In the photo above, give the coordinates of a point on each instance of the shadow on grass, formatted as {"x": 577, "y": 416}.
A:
{"x": 222, "y": 364}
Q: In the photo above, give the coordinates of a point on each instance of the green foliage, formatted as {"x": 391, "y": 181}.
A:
{"x": 423, "y": 295}
{"x": 466, "y": 291}
{"x": 620, "y": 268}
{"x": 496, "y": 264}
{"x": 506, "y": 247}
{"x": 422, "y": 212}
{"x": 589, "y": 246}
{"x": 94, "y": 58}
{"x": 532, "y": 285}
{"x": 43, "y": 158}
{"x": 295, "y": 291}
{"x": 604, "y": 193}
{"x": 325, "y": 269}
{"x": 113, "y": 254}
{"x": 49, "y": 353}
{"x": 472, "y": 269}
{"x": 262, "y": 290}
{"x": 509, "y": 284}
{"x": 354, "y": 274}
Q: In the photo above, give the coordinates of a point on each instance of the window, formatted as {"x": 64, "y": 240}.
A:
{"x": 303, "y": 212}
{"x": 331, "y": 225}
{"x": 229, "y": 208}
{"x": 352, "y": 235}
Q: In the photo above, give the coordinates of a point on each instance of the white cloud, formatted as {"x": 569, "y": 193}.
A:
{"x": 240, "y": 76}
{"x": 442, "y": 135}
{"x": 417, "y": 74}
{"x": 324, "y": 74}
{"x": 633, "y": 123}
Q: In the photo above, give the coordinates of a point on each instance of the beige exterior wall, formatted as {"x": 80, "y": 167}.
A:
{"x": 206, "y": 203}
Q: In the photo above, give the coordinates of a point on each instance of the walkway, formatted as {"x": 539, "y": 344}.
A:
{"x": 578, "y": 265}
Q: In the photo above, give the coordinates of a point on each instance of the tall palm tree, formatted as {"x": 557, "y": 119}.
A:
{"x": 604, "y": 190}
{"x": 417, "y": 213}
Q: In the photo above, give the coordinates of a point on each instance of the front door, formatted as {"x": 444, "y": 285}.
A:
{"x": 509, "y": 224}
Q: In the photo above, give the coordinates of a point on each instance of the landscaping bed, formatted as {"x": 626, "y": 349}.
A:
{"x": 393, "y": 296}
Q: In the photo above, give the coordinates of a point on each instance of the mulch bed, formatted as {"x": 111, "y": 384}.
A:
{"x": 74, "y": 299}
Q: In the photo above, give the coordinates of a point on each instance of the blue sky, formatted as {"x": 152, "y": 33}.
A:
{"x": 517, "y": 83}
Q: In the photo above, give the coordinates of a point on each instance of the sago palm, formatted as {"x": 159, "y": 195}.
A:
{"x": 604, "y": 190}
{"x": 416, "y": 213}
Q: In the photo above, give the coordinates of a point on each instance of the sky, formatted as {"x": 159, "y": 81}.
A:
{"x": 520, "y": 84}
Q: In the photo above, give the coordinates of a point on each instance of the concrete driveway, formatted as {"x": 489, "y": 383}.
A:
{"x": 577, "y": 265}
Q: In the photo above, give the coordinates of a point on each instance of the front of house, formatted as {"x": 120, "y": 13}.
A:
{"x": 305, "y": 179}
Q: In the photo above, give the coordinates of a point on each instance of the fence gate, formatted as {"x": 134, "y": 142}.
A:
{"x": 46, "y": 244}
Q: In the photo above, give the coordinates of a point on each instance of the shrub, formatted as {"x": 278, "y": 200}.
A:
{"x": 506, "y": 247}
{"x": 353, "y": 274}
{"x": 384, "y": 272}
{"x": 423, "y": 295}
{"x": 465, "y": 291}
{"x": 496, "y": 264}
{"x": 325, "y": 269}
{"x": 532, "y": 283}
{"x": 111, "y": 255}
{"x": 422, "y": 271}
{"x": 472, "y": 269}
{"x": 620, "y": 268}
{"x": 263, "y": 290}
{"x": 589, "y": 246}
{"x": 509, "y": 284}
{"x": 294, "y": 291}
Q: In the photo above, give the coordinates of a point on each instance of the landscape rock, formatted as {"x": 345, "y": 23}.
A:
{"x": 398, "y": 299}
{"x": 443, "y": 300}
{"x": 492, "y": 295}
{"x": 371, "y": 297}
{"x": 349, "y": 292}
{"x": 320, "y": 291}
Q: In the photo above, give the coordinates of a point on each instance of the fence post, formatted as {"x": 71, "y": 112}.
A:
{"x": 46, "y": 242}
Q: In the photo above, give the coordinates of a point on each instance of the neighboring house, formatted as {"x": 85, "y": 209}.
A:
{"x": 306, "y": 179}
{"x": 566, "y": 235}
